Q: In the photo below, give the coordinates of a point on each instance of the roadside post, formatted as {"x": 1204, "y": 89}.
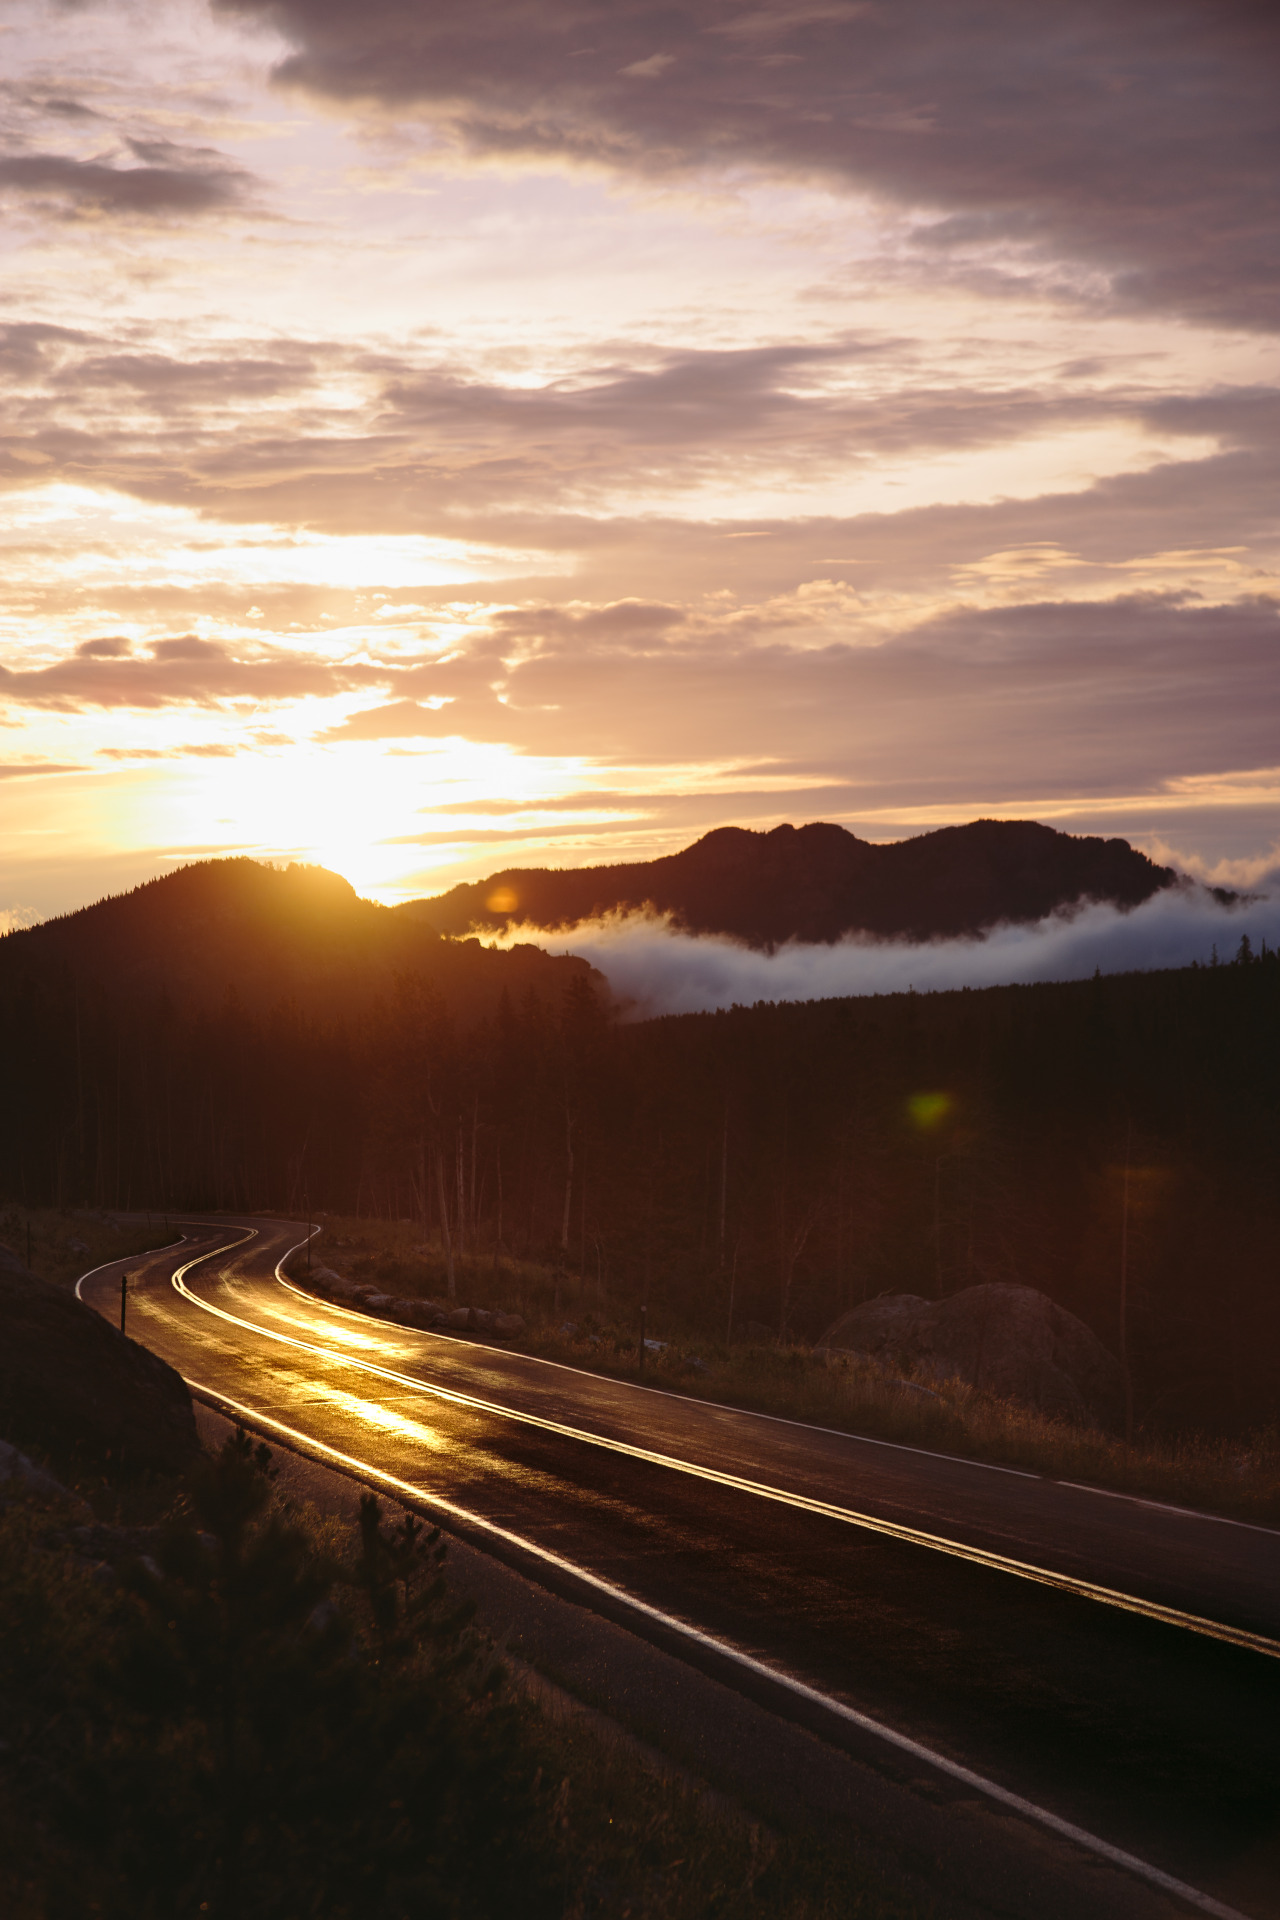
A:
{"x": 644, "y": 1311}
{"x": 124, "y": 1294}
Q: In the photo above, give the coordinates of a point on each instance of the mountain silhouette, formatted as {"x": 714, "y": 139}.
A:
{"x": 268, "y": 936}
{"x": 819, "y": 882}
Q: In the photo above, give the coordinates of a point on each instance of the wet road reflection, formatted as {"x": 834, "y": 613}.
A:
{"x": 1160, "y": 1740}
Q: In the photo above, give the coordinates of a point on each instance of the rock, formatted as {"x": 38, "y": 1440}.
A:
{"x": 76, "y": 1246}
{"x": 76, "y": 1388}
{"x": 106, "y": 1548}
{"x": 425, "y": 1313}
{"x": 413, "y": 1313}
{"x": 429, "y": 1313}
{"x": 1011, "y": 1341}
{"x": 323, "y": 1277}
{"x": 568, "y": 1328}
{"x": 880, "y": 1325}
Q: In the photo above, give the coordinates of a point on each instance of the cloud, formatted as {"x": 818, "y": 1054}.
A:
{"x": 24, "y": 345}
{"x": 12, "y": 919}
{"x": 398, "y": 720}
{"x": 478, "y": 836}
{"x": 1112, "y": 696}
{"x": 1139, "y": 694}
{"x": 602, "y": 801}
{"x": 183, "y": 671}
{"x": 1138, "y": 142}
{"x": 661, "y": 971}
{"x": 171, "y": 180}
{"x": 69, "y": 109}
{"x": 795, "y": 402}
{"x": 212, "y": 750}
{"x": 649, "y": 69}
{"x": 319, "y": 434}
{"x": 28, "y": 769}
{"x": 108, "y": 647}
{"x": 192, "y": 382}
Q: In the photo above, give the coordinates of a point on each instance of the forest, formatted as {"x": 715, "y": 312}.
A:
{"x": 750, "y": 1173}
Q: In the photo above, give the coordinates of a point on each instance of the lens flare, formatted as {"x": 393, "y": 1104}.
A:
{"x": 929, "y": 1110}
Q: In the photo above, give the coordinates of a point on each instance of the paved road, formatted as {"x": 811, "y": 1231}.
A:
{"x": 771, "y": 1537}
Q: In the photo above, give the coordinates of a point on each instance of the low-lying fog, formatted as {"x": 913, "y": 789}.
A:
{"x": 661, "y": 970}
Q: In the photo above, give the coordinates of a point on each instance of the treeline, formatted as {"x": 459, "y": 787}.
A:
{"x": 759, "y": 1169}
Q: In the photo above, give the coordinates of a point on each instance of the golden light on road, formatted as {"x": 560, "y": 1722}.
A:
{"x": 331, "y": 1330}
{"x": 372, "y": 1414}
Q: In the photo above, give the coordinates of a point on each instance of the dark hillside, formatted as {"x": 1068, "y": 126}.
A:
{"x": 793, "y": 1160}
{"x": 818, "y": 882}
{"x": 207, "y": 1038}
{"x": 299, "y": 936}
{"x": 78, "y": 1390}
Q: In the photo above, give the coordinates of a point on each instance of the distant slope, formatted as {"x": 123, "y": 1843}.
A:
{"x": 818, "y": 882}
{"x": 299, "y": 936}
{"x": 237, "y": 1036}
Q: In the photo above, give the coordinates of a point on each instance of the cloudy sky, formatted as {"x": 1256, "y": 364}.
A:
{"x": 437, "y": 438}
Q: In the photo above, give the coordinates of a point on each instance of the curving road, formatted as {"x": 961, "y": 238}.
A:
{"x": 1113, "y": 1662}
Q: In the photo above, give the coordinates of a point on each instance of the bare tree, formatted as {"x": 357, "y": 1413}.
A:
{"x": 444, "y": 1226}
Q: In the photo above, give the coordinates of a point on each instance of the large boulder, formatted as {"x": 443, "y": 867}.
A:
{"x": 1010, "y": 1341}
{"x": 78, "y": 1390}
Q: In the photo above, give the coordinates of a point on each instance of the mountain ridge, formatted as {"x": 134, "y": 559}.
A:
{"x": 268, "y": 936}
{"x": 819, "y": 882}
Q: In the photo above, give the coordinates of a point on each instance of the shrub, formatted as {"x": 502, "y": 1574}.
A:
{"x": 251, "y": 1726}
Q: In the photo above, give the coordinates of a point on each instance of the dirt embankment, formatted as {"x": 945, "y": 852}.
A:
{"x": 79, "y": 1391}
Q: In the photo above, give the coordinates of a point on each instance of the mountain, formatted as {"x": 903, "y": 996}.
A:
{"x": 297, "y": 936}
{"x": 221, "y": 1036}
{"x": 818, "y": 882}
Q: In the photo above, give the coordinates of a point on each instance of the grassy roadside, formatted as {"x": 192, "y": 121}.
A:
{"x": 380, "y": 1756}
{"x": 59, "y": 1244}
{"x": 1237, "y": 1478}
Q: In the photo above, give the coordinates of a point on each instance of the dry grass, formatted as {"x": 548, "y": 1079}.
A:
{"x": 642, "y": 1838}
{"x": 66, "y": 1242}
{"x": 630, "y": 1832}
{"x": 1239, "y": 1478}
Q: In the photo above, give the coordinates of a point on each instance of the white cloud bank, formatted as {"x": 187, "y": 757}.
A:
{"x": 661, "y": 970}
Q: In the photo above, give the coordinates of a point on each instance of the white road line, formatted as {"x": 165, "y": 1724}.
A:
{"x": 1166, "y": 1506}
{"x": 806, "y": 1426}
{"x": 912, "y": 1536}
{"x": 123, "y": 1261}
{"x": 1090, "y": 1842}
{"x": 666, "y": 1393}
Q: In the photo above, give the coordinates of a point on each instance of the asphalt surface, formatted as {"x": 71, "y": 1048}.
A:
{"x": 770, "y": 1538}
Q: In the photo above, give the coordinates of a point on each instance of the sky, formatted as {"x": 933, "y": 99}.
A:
{"x": 439, "y": 439}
